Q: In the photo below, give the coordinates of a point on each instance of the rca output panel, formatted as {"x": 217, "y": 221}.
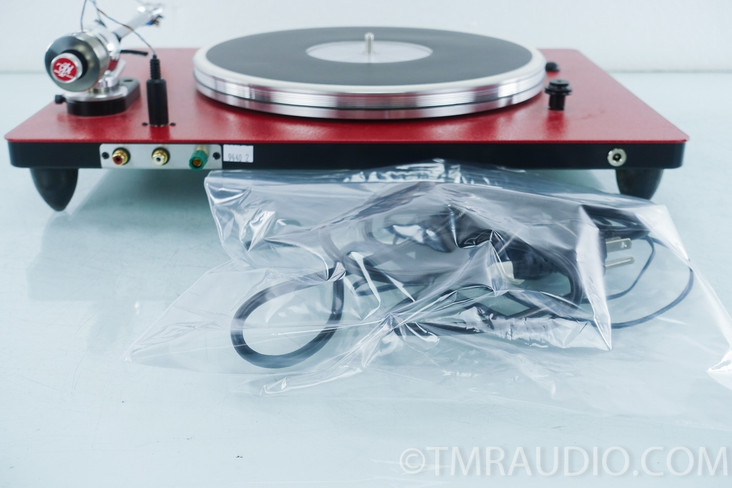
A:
{"x": 161, "y": 156}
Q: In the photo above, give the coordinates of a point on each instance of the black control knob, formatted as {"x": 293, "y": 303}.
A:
{"x": 558, "y": 91}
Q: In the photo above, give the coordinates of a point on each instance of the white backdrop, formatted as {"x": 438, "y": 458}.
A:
{"x": 619, "y": 35}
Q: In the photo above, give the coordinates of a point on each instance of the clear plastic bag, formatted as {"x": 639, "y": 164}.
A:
{"x": 487, "y": 279}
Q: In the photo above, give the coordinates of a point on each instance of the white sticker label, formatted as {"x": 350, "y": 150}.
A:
{"x": 237, "y": 153}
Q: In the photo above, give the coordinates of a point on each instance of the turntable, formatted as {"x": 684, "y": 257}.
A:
{"x": 343, "y": 97}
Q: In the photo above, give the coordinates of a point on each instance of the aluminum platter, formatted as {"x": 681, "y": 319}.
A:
{"x": 369, "y": 72}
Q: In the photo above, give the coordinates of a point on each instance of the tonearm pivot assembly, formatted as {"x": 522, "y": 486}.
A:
{"x": 87, "y": 65}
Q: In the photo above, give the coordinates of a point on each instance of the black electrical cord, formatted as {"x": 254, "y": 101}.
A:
{"x": 684, "y": 293}
{"x": 450, "y": 231}
{"x": 268, "y": 294}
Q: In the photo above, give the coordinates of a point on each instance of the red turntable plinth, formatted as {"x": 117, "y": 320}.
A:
{"x": 602, "y": 125}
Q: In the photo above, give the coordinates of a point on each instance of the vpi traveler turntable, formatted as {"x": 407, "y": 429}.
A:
{"x": 340, "y": 97}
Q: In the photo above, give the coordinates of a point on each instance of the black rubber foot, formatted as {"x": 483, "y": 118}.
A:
{"x": 56, "y": 186}
{"x": 641, "y": 183}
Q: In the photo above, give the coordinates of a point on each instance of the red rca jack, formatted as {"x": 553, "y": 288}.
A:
{"x": 160, "y": 156}
{"x": 120, "y": 156}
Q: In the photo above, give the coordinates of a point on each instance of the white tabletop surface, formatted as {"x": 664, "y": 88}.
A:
{"x": 79, "y": 286}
